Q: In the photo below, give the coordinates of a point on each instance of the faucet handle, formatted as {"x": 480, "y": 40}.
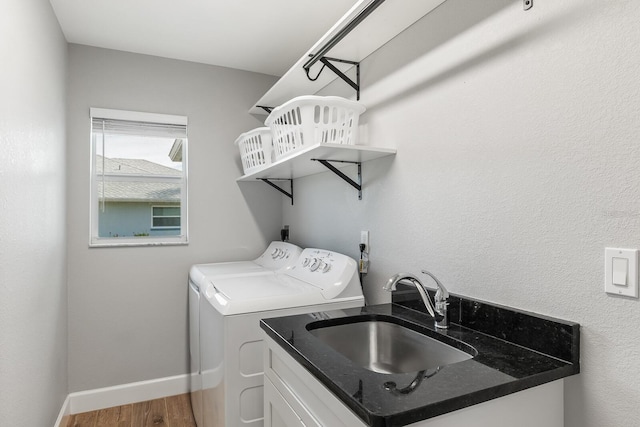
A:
{"x": 442, "y": 294}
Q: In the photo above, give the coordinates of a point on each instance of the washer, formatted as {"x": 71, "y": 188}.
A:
{"x": 277, "y": 256}
{"x": 231, "y": 344}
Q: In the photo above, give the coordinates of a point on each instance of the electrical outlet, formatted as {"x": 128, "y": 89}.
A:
{"x": 364, "y": 239}
{"x": 363, "y": 265}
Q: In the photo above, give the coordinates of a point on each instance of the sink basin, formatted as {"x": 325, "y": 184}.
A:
{"x": 389, "y": 348}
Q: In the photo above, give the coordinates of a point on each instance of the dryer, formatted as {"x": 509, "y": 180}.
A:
{"x": 231, "y": 345}
{"x": 277, "y": 256}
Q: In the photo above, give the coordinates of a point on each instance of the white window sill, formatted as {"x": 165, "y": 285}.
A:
{"x": 137, "y": 241}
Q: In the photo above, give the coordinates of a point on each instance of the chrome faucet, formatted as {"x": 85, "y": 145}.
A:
{"x": 438, "y": 310}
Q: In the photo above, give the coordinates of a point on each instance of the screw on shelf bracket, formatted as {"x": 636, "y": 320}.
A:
{"x": 528, "y": 4}
{"x": 280, "y": 189}
{"x": 327, "y": 62}
{"x": 356, "y": 185}
{"x": 267, "y": 109}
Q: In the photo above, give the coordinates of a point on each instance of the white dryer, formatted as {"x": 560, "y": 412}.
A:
{"x": 277, "y": 256}
{"x": 231, "y": 346}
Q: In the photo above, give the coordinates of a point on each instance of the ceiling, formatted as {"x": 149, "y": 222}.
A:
{"x": 264, "y": 36}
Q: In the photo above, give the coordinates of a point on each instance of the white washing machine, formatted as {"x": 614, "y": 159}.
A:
{"x": 231, "y": 346}
{"x": 277, "y": 256}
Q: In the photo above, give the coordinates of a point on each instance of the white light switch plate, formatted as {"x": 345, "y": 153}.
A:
{"x": 616, "y": 270}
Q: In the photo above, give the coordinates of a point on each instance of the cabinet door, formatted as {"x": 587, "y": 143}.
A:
{"x": 277, "y": 412}
{"x": 314, "y": 404}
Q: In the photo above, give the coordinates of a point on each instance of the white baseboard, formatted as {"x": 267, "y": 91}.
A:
{"x": 92, "y": 400}
{"x": 65, "y": 411}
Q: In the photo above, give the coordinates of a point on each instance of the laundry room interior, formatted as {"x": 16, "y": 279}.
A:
{"x": 493, "y": 169}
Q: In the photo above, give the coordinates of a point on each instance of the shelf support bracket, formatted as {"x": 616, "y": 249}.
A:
{"x": 354, "y": 184}
{"x": 528, "y": 4}
{"x": 328, "y": 62}
{"x": 265, "y": 108}
{"x": 320, "y": 53}
{"x": 289, "y": 194}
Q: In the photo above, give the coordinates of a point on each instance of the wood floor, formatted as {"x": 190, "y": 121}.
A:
{"x": 174, "y": 411}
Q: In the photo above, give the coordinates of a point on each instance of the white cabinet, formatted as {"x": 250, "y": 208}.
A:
{"x": 293, "y": 397}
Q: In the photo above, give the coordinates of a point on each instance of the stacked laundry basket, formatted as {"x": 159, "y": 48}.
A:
{"x": 298, "y": 124}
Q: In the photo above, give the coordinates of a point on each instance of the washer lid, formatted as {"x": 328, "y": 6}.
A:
{"x": 237, "y": 295}
{"x": 272, "y": 286}
{"x": 200, "y": 272}
{"x": 277, "y": 256}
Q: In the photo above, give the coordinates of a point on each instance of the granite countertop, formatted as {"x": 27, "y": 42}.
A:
{"x": 516, "y": 350}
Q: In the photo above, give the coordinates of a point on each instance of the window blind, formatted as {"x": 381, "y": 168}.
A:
{"x": 127, "y": 127}
{"x": 121, "y": 122}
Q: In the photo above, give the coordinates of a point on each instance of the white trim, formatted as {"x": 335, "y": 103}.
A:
{"x": 95, "y": 241}
{"x": 137, "y": 116}
{"x": 114, "y": 242}
{"x": 93, "y": 400}
{"x": 65, "y": 411}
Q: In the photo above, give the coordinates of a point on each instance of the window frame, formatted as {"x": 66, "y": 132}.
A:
{"x": 95, "y": 241}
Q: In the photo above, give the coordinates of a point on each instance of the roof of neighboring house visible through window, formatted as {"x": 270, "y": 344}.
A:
{"x": 137, "y": 191}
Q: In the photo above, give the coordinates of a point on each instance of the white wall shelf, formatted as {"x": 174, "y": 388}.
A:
{"x": 300, "y": 164}
{"x": 389, "y": 19}
{"x": 305, "y": 162}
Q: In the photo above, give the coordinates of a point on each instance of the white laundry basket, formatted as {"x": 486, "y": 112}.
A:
{"x": 309, "y": 120}
{"x": 255, "y": 149}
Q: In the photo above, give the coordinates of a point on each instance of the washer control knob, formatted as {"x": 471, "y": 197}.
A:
{"x": 326, "y": 267}
{"x": 306, "y": 262}
{"x": 315, "y": 264}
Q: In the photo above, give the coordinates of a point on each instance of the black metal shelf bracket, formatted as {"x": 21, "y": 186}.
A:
{"x": 289, "y": 194}
{"x": 321, "y": 53}
{"x": 328, "y": 63}
{"x": 265, "y": 108}
{"x": 354, "y": 184}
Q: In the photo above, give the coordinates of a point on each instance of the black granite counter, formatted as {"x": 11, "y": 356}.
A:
{"x": 516, "y": 350}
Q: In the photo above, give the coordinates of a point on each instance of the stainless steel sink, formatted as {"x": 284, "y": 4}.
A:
{"x": 389, "y": 348}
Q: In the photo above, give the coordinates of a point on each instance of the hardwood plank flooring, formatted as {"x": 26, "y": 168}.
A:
{"x": 173, "y": 411}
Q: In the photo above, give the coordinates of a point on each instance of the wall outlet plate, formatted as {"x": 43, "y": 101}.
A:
{"x": 364, "y": 238}
{"x": 621, "y": 272}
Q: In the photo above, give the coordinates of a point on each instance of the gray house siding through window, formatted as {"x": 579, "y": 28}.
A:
{"x": 130, "y": 219}
{"x": 126, "y": 206}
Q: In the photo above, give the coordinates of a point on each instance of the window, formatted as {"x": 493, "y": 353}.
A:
{"x": 165, "y": 217}
{"x": 138, "y": 178}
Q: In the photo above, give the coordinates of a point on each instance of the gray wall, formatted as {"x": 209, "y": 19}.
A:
{"x": 33, "y": 295}
{"x": 128, "y": 306}
{"x": 518, "y": 163}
